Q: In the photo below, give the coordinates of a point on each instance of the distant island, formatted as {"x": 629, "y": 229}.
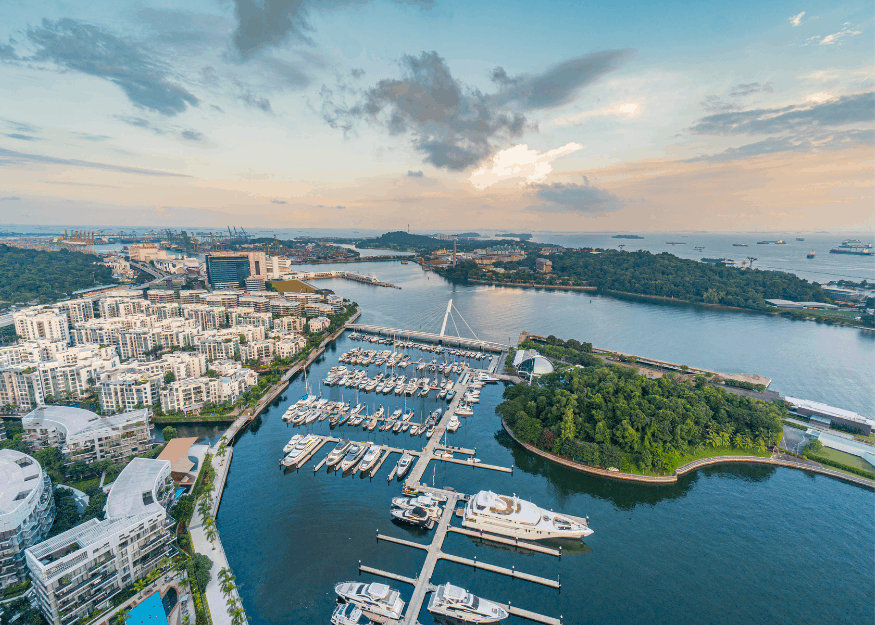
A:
{"x": 626, "y": 236}
{"x": 469, "y": 235}
{"x": 514, "y": 235}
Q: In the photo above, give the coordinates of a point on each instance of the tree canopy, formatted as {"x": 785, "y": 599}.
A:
{"x": 610, "y": 415}
{"x": 48, "y": 276}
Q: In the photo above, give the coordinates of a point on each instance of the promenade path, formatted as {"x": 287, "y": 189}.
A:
{"x": 213, "y": 550}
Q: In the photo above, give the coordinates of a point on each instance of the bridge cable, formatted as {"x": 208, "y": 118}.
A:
{"x": 466, "y": 323}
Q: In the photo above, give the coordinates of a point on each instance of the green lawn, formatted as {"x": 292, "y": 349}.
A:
{"x": 848, "y": 459}
{"x": 84, "y": 485}
{"x": 706, "y": 452}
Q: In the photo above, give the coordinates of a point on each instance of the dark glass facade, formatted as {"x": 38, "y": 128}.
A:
{"x": 227, "y": 269}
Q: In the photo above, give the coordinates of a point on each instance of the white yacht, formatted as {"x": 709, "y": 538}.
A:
{"x": 291, "y": 444}
{"x": 372, "y": 455}
{"x": 300, "y": 450}
{"x": 511, "y": 516}
{"x": 404, "y": 464}
{"x": 353, "y": 456}
{"x": 348, "y": 614}
{"x": 378, "y": 599}
{"x": 453, "y": 424}
{"x": 339, "y": 451}
{"x": 464, "y": 411}
{"x": 461, "y": 606}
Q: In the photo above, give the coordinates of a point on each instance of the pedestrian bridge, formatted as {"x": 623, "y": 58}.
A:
{"x": 442, "y": 337}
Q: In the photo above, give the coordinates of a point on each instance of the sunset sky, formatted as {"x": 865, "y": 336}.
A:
{"x": 447, "y": 116}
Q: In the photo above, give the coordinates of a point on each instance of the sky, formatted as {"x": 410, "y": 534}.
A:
{"x": 439, "y": 115}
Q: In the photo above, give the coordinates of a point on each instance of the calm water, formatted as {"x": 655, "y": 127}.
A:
{"x": 724, "y": 545}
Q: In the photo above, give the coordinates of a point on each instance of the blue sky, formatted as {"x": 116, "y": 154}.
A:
{"x": 321, "y": 113}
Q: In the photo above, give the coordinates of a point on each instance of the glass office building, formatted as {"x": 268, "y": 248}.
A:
{"x": 227, "y": 271}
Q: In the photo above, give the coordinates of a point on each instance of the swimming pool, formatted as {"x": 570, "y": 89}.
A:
{"x": 149, "y": 612}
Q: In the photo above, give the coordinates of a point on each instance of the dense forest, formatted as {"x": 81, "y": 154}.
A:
{"x": 47, "y": 276}
{"x": 611, "y": 416}
{"x": 661, "y": 275}
{"x": 422, "y": 244}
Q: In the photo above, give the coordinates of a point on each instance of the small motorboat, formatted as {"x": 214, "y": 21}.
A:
{"x": 348, "y": 614}
{"x": 414, "y": 516}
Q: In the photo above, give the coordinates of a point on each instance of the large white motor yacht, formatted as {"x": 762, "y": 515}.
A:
{"x": 461, "y": 606}
{"x": 339, "y": 451}
{"x": 353, "y": 455}
{"x": 291, "y": 444}
{"x": 370, "y": 458}
{"x": 378, "y": 599}
{"x": 453, "y": 424}
{"x": 511, "y": 516}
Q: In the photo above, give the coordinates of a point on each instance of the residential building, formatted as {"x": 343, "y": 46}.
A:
{"x": 258, "y": 350}
{"x": 160, "y": 296}
{"x": 258, "y": 304}
{"x": 76, "y": 573}
{"x": 82, "y": 435}
{"x": 77, "y": 310}
{"x": 190, "y": 395}
{"x": 286, "y": 307}
{"x": 544, "y": 265}
{"x": 317, "y": 309}
{"x": 225, "y": 298}
{"x": 289, "y": 324}
{"x": 288, "y": 346}
{"x": 123, "y": 391}
{"x": 191, "y": 296}
{"x": 40, "y": 322}
{"x": 21, "y": 386}
{"x": 317, "y": 324}
{"x": 27, "y": 511}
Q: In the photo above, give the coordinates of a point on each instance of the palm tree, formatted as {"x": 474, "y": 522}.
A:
{"x": 238, "y": 616}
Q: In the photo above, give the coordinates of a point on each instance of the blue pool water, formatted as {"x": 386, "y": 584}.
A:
{"x": 149, "y": 612}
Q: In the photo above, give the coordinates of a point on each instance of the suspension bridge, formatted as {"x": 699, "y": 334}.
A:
{"x": 441, "y": 337}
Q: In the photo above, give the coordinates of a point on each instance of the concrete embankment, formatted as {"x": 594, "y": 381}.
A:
{"x": 691, "y": 466}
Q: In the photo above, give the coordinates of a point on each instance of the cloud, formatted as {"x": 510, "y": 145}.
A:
{"x": 797, "y": 19}
{"x": 625, "y": 109}
{"x": 713, "y": 104}
{"x": 584, "y": 199}
{"x": 192, "y": 135}
{"x": 415, "y": 174}
{"x": 455, "y": 126}
{"x": 90, "y": 137}
{"x": 274, "y": 201}
{"x": 7, "y": 52}
{"x": 22, "y": 126}
{"x": 835, "y": 38}
{"x": 21, "y": 137}
{"x": 519, "y": 162}
{"x": 858, "y": 108}
{"x": 91, "y": 50}
{"x": 250, "y": 99}
{"x": 9, "y": 157}
{"x": 11, "y": 198}
{"x": 739, "y": 91}
{"x": 822, "y": 141}
{"x": 333, "y": 207}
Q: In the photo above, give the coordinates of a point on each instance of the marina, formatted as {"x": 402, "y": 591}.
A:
{"x": 530, "y": 476}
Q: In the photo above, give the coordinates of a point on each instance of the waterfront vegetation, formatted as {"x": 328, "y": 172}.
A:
{"x": 610, "y": 416}
{"x": 27, "y": 275}
{"x": 656, "y": 275}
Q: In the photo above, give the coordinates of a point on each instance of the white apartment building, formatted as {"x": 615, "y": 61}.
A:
{"x": 27, "y": 511}
{"x": 40, "y": 322}
{"x": 289, "y": 345}
{"x": 82, "y": 435}
{"x": 317, "y": 324}
{"x": 160, "y": 296}
{"x": 77, "y": 310}
{"x": 289, "y": 324}
{"x": 277, "y": 266}
{"x": 190, "y": 395}
{"x": 112, "y": 307}
{"x": 191, "y": 296}
{"x": 76, "y": 573}
{"x": 318, "y": 309}
{"x": 130, "y": 390}
{"x": 258, "y": 350}
{"x": 286, "y": 307}
{"x": 21, "y": 386}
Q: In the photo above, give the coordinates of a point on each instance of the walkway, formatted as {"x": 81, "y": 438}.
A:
{"x": 431, "y": 337}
